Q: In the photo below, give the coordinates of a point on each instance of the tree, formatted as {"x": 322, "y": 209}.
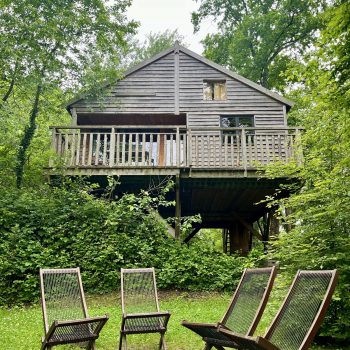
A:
{"x": 258, "y": 38}
{"x": 48, "y": 43}
{"x": 152, "y": 45}
{"x": 321, "y": 208}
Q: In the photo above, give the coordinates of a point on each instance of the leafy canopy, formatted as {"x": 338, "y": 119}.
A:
{"x": 258, "y": 38}
{"x": 320, "y": 209}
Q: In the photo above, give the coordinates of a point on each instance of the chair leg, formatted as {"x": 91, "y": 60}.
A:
{"x": 91, "y": 345}
{"x": 162, "y": 344}
{"x": 122, "y": 339}
{"x": 208, "y": 346}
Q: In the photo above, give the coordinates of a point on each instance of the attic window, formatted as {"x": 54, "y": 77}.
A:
{"x": 214, "y": 90}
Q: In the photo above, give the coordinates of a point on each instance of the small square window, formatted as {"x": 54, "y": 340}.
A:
{"x": 214, "y": 90}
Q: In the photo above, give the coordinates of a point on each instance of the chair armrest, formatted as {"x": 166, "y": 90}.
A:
{"x": 247, "y": 342}
{"x": 198, "y": 324}
{"x": 204, "y": 330}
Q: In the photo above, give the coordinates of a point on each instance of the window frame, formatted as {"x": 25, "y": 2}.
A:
{"x": 211, "y": 83}
{"x": 235, "y": 132}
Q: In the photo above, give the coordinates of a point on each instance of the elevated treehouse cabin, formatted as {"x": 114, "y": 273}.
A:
{"x": 180, "y": 115}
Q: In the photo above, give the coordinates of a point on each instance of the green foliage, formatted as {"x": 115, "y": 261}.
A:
{"x": 152, "y": 45}
{"x": 320, "y": 209}
{"x": 258, "y": 38}
{"x": 64, "y": 227}
{"x": 46, "y": 44}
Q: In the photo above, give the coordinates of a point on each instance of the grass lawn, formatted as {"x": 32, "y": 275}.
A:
{"x": 22, "y": 328}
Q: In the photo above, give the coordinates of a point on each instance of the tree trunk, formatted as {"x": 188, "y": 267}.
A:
{"x": 27, "y": 138}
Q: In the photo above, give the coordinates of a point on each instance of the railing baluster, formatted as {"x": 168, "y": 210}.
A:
{"x": 91, "y": 141}
{"x": 158, "y": 150}
{"x": 178, "y": 141}
{"x": 225, "y": 150}
{"x": 151, "y": 149}
{"x": 171, "y": 158}
{"x": 267, "y": 145}
{"x": 136, "y": 149}
{"x": 249, "y": 160}
{"x": 123, "y": 140}
{"x": 117, "y": 156}
{"x": 130, "y": 149}
{"x": 244, "y": 151}
{"x": 83, "y": 153}
{"x": 97, "y": 149}
{"x": 77, "y": 157}
{"x": 255, "y": 141}
{"x": 104, "y": 152}
{"x": 112, "y": 147}
{"x": 143, "y": 152}
{"x": 59, "y": 144}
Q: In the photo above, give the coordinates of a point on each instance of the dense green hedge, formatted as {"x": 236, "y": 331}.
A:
{"x": 55, "y": 227}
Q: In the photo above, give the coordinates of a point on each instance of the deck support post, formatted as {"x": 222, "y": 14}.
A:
{"x": 177, "y": 207}
{"x": 53, "y": 146}
{"x": 238, "y": 238}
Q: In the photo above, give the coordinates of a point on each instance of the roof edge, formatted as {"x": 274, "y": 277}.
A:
{"x": 238, "y": 77}
{"x": 178, "y": 47}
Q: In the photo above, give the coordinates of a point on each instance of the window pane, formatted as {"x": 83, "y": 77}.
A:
{"x": 247, "y": 121}
{"x": 220, "y": 91}
{"x": 207, "y": 91}
{"x": 228, "y": 122}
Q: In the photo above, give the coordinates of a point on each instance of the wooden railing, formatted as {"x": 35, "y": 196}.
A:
{"x": 173, "y": 146}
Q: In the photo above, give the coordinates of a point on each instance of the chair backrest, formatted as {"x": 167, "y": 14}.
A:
{"x": 249, "y": 300}
{"x": 62, "y": 295}
{"x": 139, "y": 291}
{"x": 303, "y": 310}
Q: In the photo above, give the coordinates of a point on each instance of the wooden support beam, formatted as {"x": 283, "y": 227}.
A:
{"x": 74, "y": 121}
{"x": 192, "y": 234}
{"x": 176, "y": 79}
{"x": 248, "y": 226}
{"x": 238, "y": 238}
{"x": 177, "y": 208}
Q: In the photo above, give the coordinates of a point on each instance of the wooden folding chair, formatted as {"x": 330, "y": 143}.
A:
{"x": 140, "y": 306}
{"x": 244, "y": 311}
{"x": 64, "y": 309}
{"x": 299, "y": 317}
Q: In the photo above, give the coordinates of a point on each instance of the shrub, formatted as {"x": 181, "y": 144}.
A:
{"x": 64, "y": 227}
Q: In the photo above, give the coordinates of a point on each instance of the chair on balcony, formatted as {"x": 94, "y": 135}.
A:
{"x": 299, "y": 317}
{"x": 244, "y": 311}
{"x": 65, "y": 315}
{"x": 140, "y": 306}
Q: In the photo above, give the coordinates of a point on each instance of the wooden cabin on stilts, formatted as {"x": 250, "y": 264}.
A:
{"x": 179, "y": 115}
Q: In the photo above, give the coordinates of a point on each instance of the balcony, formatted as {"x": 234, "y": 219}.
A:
{"x": 138, "y": 150}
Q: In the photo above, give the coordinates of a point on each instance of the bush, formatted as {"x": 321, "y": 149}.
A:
{"x": 66, "y": 227}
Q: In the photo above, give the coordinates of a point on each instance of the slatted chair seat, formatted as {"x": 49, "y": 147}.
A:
{"x": 299, "y": 318}
{"x": 244, "y": 311}
{"x": 140, "y": 306}
{"x": 64, "y": 308}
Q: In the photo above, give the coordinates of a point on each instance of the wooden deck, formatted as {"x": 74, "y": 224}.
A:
{"x": 165, "y": 150}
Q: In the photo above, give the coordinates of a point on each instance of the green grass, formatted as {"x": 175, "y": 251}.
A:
{"x": 22, "y": 328}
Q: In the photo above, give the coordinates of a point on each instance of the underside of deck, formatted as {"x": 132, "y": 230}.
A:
{"x": 231, "y": 201}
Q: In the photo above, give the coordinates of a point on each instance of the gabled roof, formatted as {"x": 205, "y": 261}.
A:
{"x": 178, "y": 48}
